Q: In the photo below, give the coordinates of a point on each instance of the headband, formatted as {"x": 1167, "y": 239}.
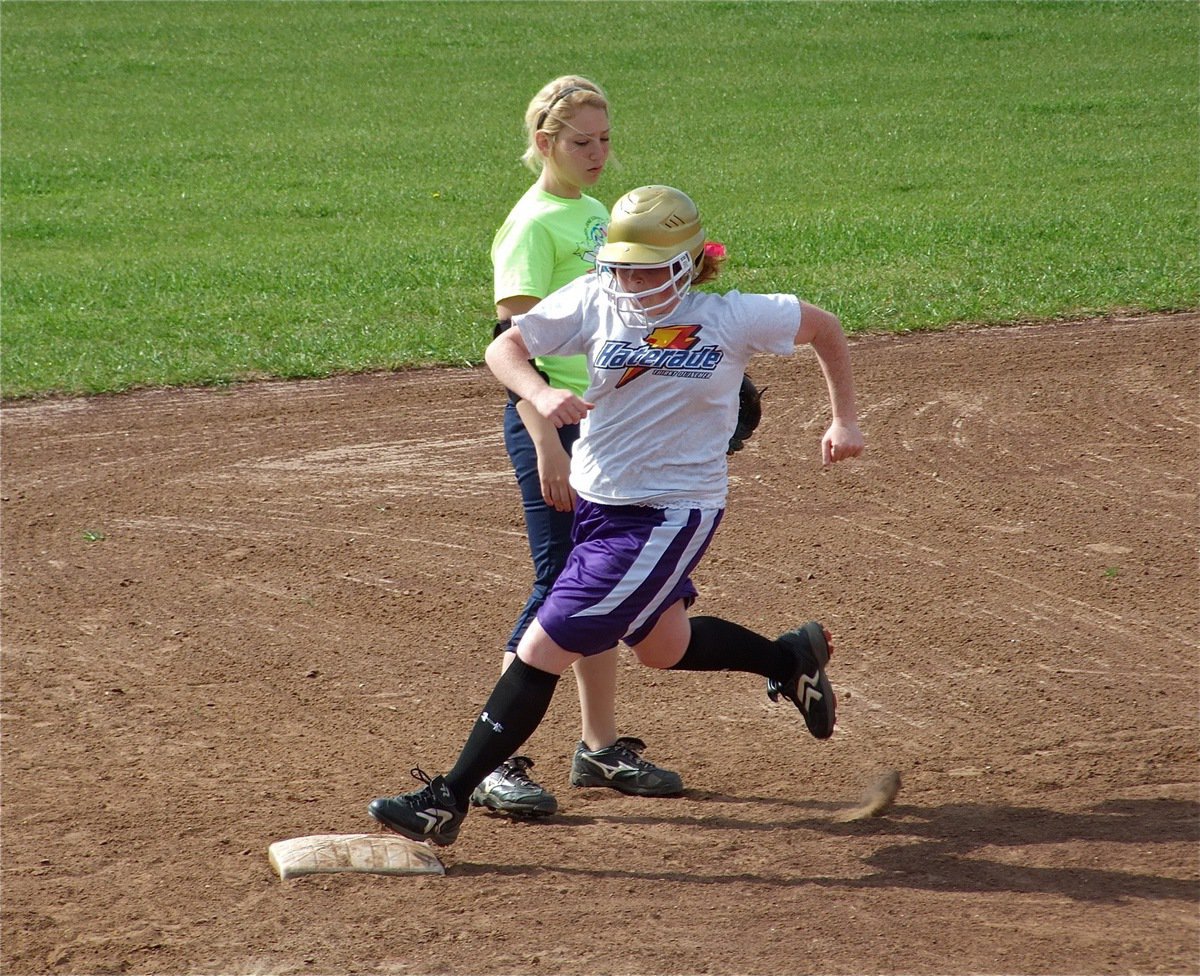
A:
{"x": 555, "y": 100}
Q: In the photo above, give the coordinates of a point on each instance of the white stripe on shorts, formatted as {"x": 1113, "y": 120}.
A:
{"x": 660, "y": 539}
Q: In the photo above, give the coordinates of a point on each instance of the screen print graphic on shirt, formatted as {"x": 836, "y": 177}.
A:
{"x": 594, "y": 236}
{"x": 673, "y": 350}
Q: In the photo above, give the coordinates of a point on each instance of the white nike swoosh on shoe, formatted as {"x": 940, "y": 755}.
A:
{"x": 611, "y": 771}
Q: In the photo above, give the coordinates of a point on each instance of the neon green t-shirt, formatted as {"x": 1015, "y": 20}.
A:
{"x": 544, "y": 243}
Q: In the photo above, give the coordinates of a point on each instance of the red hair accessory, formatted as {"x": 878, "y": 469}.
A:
{"x": 714, "y": 249}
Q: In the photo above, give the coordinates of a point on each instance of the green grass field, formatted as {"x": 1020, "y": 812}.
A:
{"x": 195, "y": 193}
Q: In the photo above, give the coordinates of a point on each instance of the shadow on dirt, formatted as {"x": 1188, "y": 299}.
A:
{"x": 968, "y": 847}
{"x": 977, "y": 847}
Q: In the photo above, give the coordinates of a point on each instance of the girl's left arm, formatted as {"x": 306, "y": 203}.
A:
{"x": 823, "y": 331}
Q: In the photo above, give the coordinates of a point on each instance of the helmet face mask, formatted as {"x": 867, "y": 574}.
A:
{"x": 655, "y": 228}
{"x": 637, "y": 308}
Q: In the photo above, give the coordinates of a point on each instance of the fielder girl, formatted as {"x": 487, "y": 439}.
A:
{"x": 664, "y": 367}
{"x": 548, "y": 239}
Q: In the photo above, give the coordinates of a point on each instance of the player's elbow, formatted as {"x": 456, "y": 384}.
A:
{"x": 828, "y": 324}
{"x": 817, "y": 325}
{"x": 501, "y": 350}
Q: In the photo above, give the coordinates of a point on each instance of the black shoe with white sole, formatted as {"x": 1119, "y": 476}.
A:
{"x": 426, "y": 814}
{"x": 621, "y": 767}
{"x": 510, "y": 790}
{"x": 808, "y": 689}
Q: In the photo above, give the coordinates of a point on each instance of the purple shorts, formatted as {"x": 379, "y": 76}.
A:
{"x": 628, "y": 564}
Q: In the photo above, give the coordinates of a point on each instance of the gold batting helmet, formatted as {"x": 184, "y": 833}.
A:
{"x": 653, "y": 225}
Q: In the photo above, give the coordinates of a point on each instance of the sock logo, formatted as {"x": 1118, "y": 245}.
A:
{"x": 496, "y": 726}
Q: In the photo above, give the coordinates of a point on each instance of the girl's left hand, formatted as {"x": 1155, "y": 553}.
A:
{"x": 840, "y": 442}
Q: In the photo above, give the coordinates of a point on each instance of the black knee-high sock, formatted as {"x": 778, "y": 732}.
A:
{"x": 516, "y": 707}
{"x": 720, "y": 645}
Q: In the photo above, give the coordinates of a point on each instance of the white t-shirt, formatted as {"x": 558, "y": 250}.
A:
{"x": 666, "y": 397}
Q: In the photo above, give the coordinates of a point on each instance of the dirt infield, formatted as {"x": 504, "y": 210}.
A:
{"x": 234, "y": 617}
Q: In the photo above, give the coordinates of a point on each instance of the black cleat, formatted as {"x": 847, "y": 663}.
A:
{"x": 425, "y": 814}
{"x": 809, "y": 690}
{"x": 621, "y": 767}
{"x": 509, "y": 790}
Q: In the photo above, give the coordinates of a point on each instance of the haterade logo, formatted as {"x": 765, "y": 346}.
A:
{"x": 671, "y": 349}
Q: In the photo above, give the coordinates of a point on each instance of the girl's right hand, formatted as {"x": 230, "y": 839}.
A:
{"x": 561, "y": 407}
{"x": 554, "y": 470}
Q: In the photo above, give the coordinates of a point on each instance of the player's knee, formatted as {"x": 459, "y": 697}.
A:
{"x": 667, "y": 640}
{"x": 653, "y": 660}
{"x": 660, "y": 651}
{"x": 538, "y": 651}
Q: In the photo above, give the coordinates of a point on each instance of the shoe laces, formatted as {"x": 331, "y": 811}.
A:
{"x": 517, "y": 768}
{"x": 631, "y": 748}
{"x": 421, "y": 798}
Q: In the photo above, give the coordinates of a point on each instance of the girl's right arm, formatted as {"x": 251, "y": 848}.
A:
{"x": 508, "y": 358}
{"x": 554, "y": 463}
